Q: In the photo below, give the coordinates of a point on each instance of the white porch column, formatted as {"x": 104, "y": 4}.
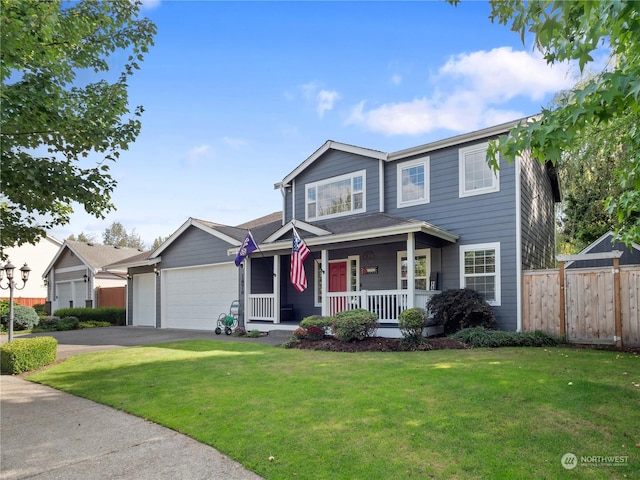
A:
{"x": 276, "y": 287}
{"x": 247, "y": 289}
{"x": 411, "y": 270}
{"x": 324, "y": 259}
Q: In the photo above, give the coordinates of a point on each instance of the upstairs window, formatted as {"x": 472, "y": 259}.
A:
{"x": 413, "y": 182}
{"x": 476, "y": 176}
{"x": 336, "y": 196}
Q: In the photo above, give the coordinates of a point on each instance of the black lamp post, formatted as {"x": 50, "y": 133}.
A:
{"x": 9, "y": 269}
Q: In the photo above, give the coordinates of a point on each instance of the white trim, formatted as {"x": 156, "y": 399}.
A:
{"x": 462, "y": 191}
{"x": 195, "y": 223}
{"x": 518, "y": 161}
{"x": 381, "y": 185}
{"x": 497, "y": 275}
{"x": 326, "y": 181}
{"x": 460, "y": 139}
{"x": 307, "y": 227}
{"x": 422, "y": 252}
{"x": 350, "y": 259}
{"x": 331, "y": 145}
{"x": 75, "y": 268}
{"x": 426, "y": 193}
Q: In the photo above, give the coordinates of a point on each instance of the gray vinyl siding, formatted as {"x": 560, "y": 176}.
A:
{"x": 333, "y": 164}
{"x": 196, "y": 247}
{"x": 538, "y": 216}
{"x": 630, "y": 256}
{"x": 68, "y": 259}
{"x": 486, "y": 218}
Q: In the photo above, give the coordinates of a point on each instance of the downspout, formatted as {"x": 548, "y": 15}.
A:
{"x": 381, "y": 184}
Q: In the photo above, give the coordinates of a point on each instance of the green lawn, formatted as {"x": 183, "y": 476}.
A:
{"x": 504, "y": 413}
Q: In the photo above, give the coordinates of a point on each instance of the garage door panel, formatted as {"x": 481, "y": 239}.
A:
{"x": 195, "y": 297}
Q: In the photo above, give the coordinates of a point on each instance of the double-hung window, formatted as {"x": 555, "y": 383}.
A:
{"x": 413, "y": 182}
{"x": 476, "y": 176}
{"x": 336, "y": 196}
{"x": 421, "y": 272}
{"x": 480, "y": 270}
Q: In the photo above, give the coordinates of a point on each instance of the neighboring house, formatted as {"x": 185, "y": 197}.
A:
{"x": 76, "y": 273}
{"x": 606, "y": 243}
{"x": 386, "y": 232}
{"x": 37, "y": 257}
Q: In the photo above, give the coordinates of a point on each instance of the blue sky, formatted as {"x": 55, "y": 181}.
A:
{"x": 237, "y": 94}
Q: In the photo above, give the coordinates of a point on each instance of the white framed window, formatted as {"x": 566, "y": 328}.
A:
{"x": 422, "y": 269}
{"x": 413, "y": 182}
{"x": 480, "y": 270}
{"x": 336, "y": 196}
{"x": 476, "y": 176}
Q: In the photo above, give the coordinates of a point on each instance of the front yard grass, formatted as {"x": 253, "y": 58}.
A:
{"x": 465, "y": 414}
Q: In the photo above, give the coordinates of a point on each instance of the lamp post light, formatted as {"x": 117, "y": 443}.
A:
{"x": 9, "y": 269}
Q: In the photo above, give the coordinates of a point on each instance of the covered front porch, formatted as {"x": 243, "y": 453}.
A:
{"x": 385, "y": 271}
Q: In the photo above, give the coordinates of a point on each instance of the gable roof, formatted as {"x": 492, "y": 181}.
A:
{"x": 94, "y": 256}
{"x": 331, "y": 145}
{"x": 346, "y": 229}
{"x": 401, "y": 154}
{"x": 606, "y": 243}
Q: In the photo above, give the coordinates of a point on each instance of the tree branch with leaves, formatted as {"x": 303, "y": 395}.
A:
{"x": 50, "y": 123}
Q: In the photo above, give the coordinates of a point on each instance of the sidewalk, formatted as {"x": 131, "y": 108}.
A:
{"x": 47, "y": 434}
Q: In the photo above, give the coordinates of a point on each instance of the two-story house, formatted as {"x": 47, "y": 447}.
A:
{"x": 386, "y": 231}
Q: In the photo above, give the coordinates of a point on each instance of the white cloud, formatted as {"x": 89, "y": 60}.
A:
{"x": 322, "y": 99}
{"x": 470, "y": 91}
{"x": 197, "y": 154}
{"x": 149, "y": 4}
{"x": 326, "y": 99}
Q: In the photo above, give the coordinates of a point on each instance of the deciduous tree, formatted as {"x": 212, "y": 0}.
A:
{"x": 52, "y": 118}
{"x": 573, "y": 31}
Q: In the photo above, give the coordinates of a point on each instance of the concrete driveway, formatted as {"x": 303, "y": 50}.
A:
{"x": 47, "y": 434}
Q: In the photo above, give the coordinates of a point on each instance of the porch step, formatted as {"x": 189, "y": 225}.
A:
{"x": 284, "y": 334}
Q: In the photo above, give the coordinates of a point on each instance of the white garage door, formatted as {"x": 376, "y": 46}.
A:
{"x": 194, "y": 297}
{"x": 144, "y": 300}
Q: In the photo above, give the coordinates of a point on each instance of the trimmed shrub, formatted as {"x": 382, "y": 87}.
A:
{"x": 299, "y": 333}
{"x": 26, "y": 354}
{"x": 412, "y": 323}
{"x": 253, "y": 333}
{"x": 325, "y": 323}
{"x": 353, "y": 325}
{"x": 93, "y": 324}
{"x": 481, "y": 337}
{"x": 40, "y": 309}
{"x": 57, "y": 324}
{"x": 115, "y": 316}
{"x": 463, "y": 308}
{"x": 24, "y": 318}
{"x": 315, "y": 333}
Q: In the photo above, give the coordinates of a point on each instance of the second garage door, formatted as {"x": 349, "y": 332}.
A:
{"x": 194, "y": 297}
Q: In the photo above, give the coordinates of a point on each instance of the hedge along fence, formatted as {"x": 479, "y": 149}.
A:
{"x": 26, "y": 354}
{"x": 115, "y": 316}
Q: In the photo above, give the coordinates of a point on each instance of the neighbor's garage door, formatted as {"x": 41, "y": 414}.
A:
{"x": 194, "y": 297}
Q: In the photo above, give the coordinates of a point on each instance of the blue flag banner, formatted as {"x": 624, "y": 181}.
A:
{"x": 246, "y": 248}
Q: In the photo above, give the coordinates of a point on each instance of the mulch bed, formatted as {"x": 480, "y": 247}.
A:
{"x": 377, "y": 344}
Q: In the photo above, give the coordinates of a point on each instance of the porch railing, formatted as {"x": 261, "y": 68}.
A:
{"x": 262, "y": 307}
{"x": 386, "y": 303}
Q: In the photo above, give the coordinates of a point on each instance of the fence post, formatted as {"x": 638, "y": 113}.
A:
{"x": 563, "y": 327}
{"x": 617, "y": 301}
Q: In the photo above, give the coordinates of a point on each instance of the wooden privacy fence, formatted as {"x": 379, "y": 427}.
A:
{"x": 585, "y": 305}
{"x": 111, "y": 297}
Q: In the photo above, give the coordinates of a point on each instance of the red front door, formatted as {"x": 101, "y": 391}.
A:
{"x": 337, "y": 283}
{"x": 338, "y": 277}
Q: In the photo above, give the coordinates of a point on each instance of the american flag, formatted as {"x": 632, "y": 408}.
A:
{"x": 298, "y": 253}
